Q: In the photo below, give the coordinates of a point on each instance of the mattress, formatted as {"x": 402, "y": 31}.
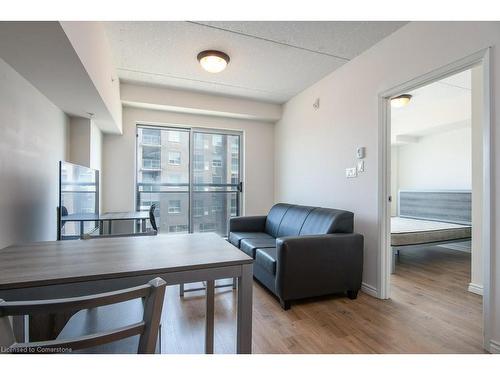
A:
{"x": 405, "y": 231}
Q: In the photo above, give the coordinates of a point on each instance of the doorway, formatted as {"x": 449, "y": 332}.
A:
{"x": 424, "y": 194}
{"x": 192, "y": 175}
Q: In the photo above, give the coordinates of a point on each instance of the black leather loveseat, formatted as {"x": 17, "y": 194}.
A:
{"x": 302, "y": 251}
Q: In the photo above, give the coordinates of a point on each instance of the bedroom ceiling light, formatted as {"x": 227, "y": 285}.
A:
{"x": 400, "y": 101}
{"x": 213, "y": 61}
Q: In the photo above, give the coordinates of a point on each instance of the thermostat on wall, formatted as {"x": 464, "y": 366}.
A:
{"x": 361, "y": 152}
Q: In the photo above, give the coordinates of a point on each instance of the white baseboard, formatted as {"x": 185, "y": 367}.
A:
{"x": 370, "y": 290}
{"x": 475, "y": 288}
{"x": 494, "y": 347}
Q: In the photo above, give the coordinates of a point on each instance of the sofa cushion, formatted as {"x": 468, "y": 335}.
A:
{"x": 327, "y": 220}
{"x": 248, "y": 245}
{"x": 266, "y": 258}
{"x": 293, "y": 220}
{"x": 236, "y": 237}
{"x": 274, "y": 218}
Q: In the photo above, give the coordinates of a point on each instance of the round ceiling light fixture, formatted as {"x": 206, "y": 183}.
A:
{"x": 213, "y": 61}
{"x": 400, "y": 101}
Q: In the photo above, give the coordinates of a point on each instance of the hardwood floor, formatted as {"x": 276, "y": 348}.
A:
{"x": 431, "y": 311}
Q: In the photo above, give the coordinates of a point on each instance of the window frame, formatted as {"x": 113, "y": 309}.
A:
{"x": 191, "y": 183}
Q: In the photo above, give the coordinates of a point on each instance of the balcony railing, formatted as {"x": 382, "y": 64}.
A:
{"x": 151, "y": 164}
{"x": 215, "y": 198}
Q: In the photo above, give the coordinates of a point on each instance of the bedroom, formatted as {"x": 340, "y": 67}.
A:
{"x": 436, "y": 184}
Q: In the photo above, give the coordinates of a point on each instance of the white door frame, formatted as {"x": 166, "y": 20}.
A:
{"x": 384, "y": 256}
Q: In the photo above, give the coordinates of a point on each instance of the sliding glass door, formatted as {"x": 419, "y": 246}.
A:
{"x": 192, "y": 175}
{"x": 216, "y": 180}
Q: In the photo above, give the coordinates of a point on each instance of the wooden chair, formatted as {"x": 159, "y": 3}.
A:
{"x": 146, "y": 328}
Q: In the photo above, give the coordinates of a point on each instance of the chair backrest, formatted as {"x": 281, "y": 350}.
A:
{"x": 64, "y": 211}
{"x": 153, "y": 293}
{"x": 152, "y": 216}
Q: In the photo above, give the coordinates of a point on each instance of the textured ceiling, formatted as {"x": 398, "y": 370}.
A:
{"x": 270, "y": 61}
{"x": 437, "y": 107}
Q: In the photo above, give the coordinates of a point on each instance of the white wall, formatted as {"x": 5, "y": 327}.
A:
{"x": 32, "y": 142}
{"x": 95, "y": 147}
{"x": 85, "y": 143}
{"x": 313, "y": 148}
{"x": 438, "y": 161}
{"x": 91, "y": 44}
{"x": 182, "y": 101}
{"x": 79, "y": 141}
{"x": 118, "y": 175}
{"x": 69, "y": 66}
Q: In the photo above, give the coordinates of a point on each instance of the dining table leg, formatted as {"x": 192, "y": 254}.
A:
{"x": 209, "y": 317}
{"x": 244, "y": 310}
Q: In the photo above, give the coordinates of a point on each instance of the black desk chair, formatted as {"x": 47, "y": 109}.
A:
{"x": 152, "y": 217}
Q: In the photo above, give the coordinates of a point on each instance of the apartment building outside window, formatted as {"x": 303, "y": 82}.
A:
{"x": 174, "y": 206}
{"x": 174, "y": 136}
{"x": 192, "y": 175}
{"x": 174, "y": 158}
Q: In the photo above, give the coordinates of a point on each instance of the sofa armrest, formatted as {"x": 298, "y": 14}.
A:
{"x": 318, "y": 264}
{"x": 247, "y": 224}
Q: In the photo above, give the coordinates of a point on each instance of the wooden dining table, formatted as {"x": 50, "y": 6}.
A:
{"x": 58, "y": 269}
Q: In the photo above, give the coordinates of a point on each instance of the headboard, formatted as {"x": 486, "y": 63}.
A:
{"x": 452, "y": 206}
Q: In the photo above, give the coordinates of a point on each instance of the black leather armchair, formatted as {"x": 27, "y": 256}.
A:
{"x": 302, "y": 251}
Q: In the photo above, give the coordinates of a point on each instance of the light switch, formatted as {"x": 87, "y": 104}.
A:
{"x": 361, "y": 166}
{"x": 351, "y": 172}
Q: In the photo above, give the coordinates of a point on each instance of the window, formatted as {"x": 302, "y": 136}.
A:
{"x": 235, "y": 148}
{"x": 207, "y": 227}
{"x": 151, "y": 164}
{"x": 235, "y": 164}
{"x": 198, "y": 161}
{"x": 198, "y": 209}
{"x": 174, "y": 157}
{"x": 234, "y": 207}
{"x": 174, "y": 178}
{"x": 146, "y": 204}
{"x": 174, "y": 136}
{"x": 217, "y": 206}
{"x": 198, "y": 179}
{"x": 174, "y": 206}
{"x": 178, "y": 228}
{"x": 234, "y": 179}
{"x": 151, "y": 157}
{"x": 186, "y": 171}
{"x": 151, "y": 137}
{"x": 216, "y": 140}
{"x": 150, "y": 177}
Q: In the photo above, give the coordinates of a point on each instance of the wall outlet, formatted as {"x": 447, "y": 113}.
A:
{"x": 351, "y": 172}
{"x": 361, "y": 166}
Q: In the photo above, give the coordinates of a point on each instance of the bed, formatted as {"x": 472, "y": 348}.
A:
{"x": 430, "y": 218}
